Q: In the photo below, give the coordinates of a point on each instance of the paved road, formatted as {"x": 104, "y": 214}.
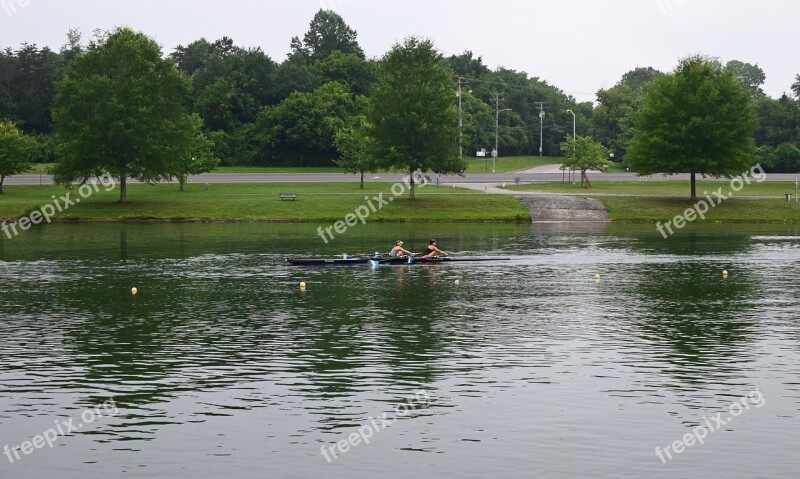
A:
{"x": 389, "y": 177}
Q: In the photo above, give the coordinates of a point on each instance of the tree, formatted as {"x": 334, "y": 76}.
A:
{"x": 327, "y": 33}
{"x": 120, "y": 109}
{"x": 751, "y": 76}
{"x": 194, "y": 156}
{"x": 584, "y": 154}
{"x": 698, "y": 119}
{"x": 783, "y": 159}
{"x": 796, "y": 87}
{"x": 413, "y": 117}
{"x": 356, "y": 148}
{"x": 15, "y": 151}
{"x": 614, "y": 118}
{"x": 301, "y": 129}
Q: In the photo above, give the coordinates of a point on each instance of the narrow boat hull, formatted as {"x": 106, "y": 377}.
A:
{"x": 387, "y": 261}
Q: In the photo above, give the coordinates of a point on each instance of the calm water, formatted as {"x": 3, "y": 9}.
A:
{"x": 222, "y": 367}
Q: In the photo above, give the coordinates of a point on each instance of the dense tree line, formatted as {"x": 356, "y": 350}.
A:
{"x": 308, "y": 108}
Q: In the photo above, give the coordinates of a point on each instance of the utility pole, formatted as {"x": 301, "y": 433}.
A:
{"x": 461, "y": 81}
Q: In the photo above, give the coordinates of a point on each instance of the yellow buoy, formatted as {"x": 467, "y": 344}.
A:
{"x": 597, "y": 277}
{"x": 302, "y": 285}
{"x": 725, "y": 274}
{"x": 134, "y": 291}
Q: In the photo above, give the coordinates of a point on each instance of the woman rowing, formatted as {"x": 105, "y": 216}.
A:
{"x": 398, "y": 251}
{"x": 431, "y": 251}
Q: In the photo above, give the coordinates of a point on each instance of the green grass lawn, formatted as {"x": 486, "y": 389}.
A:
{"x": 624, "y": 208}
{"x": 34, "y": 169}
{"x": 318, "y": 202}
{"x": 508, "y": 164}
{"x": 661, "y": 188}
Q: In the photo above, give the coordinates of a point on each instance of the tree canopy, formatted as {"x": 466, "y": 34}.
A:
{"x": 698, "y": 119}
{"x": 121, "y": 109}
{"x": 15, "y": 151}
{"x": 327, "y": 33}
{"x": 584, "y": 154}
{"x": 412, "y": 115}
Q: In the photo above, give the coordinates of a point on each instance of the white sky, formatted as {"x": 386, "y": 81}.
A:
{"x": 576, "y": 45}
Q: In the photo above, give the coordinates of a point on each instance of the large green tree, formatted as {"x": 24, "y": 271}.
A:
{"x": 698, "y": 119}
{"x": 327, "y": 33}
{"x": 15, "y": 151}
{"x": 413, "y": 116}
{"x": 121, "y": 109}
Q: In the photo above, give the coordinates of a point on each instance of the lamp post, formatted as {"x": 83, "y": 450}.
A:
{"x": 573, "y": 131}
{"x": 461, "y": 81}
{"x": 496, "y": 127}
{"x": 541, "y": 129}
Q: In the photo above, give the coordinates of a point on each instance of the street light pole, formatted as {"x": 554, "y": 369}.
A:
{"x": 461, "y": 81}
{"x": 496, "y": 128}
{"x": 541, "y": 128}
{"x": 573, "y": 131}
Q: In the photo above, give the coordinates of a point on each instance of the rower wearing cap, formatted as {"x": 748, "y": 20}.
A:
{"x": 398, "y": 251}
{"x": 431, "y": 251}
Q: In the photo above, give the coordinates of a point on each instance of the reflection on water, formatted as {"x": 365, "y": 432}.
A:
{"x": 221, "y": 365}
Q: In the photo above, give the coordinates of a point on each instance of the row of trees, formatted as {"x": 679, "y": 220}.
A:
{"x": 119, "y": 105}
{"x": 259, "y": 112}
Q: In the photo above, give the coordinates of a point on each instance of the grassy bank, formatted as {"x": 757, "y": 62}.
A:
{"x": 643, "y": 209}
{"x": 661, "y": 188}
{"x": 318, "y": 202}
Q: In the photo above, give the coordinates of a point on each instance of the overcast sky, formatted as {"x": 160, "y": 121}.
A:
{"x": 577, "y": 45}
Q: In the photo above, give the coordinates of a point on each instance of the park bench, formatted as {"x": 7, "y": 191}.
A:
{"x": 287, "y": 196}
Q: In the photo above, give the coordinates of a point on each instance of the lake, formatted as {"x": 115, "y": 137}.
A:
{"x": 221, "y": 366}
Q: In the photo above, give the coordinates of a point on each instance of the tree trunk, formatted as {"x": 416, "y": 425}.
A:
{"x": 694, "y": 186}
{"x": 411, "y": 195}
{"x": 362, "y": 179}
{"x": 182, "y": 182}
{"x": 123, "y": 183}
{"x": 123, "y": 188}
{"x": 2, "y": 179}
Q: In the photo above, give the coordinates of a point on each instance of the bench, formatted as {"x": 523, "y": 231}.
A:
{"x": 287, "y": 196}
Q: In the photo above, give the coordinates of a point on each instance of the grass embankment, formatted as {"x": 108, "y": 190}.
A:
{"x": 647, "y": 202}
{"x": 318, "y": 202}
{"x": 644, "y": 209}
{"x": 661, "y": 188}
